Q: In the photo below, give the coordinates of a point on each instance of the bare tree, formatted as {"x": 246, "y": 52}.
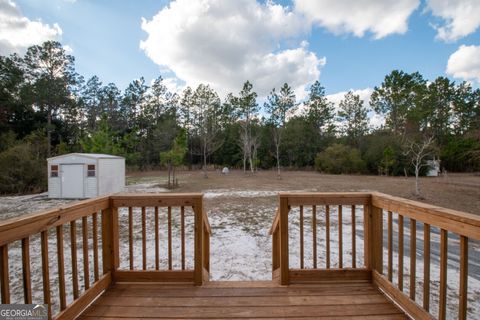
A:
{"x": 246, "y": 109}
{"x": 418, "y": 152}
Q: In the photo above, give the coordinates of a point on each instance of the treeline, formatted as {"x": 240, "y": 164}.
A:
{"x": 47, "y": 109}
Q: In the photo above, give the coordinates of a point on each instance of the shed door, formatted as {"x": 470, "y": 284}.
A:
{"x": 72, "y": 181}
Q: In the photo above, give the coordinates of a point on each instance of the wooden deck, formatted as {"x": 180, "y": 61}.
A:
{"x": 98, "y": 238}
{"x": 243, "y": 300}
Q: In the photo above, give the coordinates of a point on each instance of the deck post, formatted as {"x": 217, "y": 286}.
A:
{"x": 198, "y": 255}
{"x": 284, "y": 265}
{"x": 110, "y": 241}
{"x": 376, "y": 239}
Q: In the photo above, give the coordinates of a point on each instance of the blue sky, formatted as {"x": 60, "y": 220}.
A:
{"x": 105, "y": 37}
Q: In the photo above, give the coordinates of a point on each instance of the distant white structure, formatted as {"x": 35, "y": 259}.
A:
{"x": 225, "y": 170}
{"x": 85, "y": 175}
{"x": 433, "y": 168}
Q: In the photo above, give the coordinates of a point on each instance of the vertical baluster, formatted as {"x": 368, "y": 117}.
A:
{"x": 46, "y": 272}
{"x": 61, "y": 268}
{"x": 413, "y": 257}
{"x": 157, "y": 242}
{"x": 442, "y": 302}
{"x": 301, "y": 239}
{"x": 354, "y": 240}
{"x": 327, "y": 231}
{"x": 170, "y": 238}
{"x": 400, "y": 252}
{"x": 27, "y": 280}
{"x": 86, "y": 269}
{"x": 73, "y": 247}
{"x": 144, "y": 239}
{"x": 390, "y": 246}
{"x": 314, "y": 234}
{"x": 463, "y": 293}
{"x": 426, "y": 267}
{"x": 4, "y": 276}
{"x": 182, "y": 221}
{"x": 340, "y": 237}
{"x": 130, "y": 236}
{"x": 95, "y": 245}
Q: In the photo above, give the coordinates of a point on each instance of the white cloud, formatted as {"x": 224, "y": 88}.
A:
{"x": 364, "y": 94}
{"x": 465, "y": 63}
{"x": 461, "y": 17}
{"x": 225, "y": 43}
{"x": 18, "y": 32}
{"x": 68, "y": 49}
{"x": 380, "y": 17}
{"x": 173, "y": 85}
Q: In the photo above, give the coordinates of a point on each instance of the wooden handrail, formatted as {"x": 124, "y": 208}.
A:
{"x": 29, "y": 224}
{"x": 377, "y": 208}
{"x": 84, "y": 215}
{"x": 461, "y": 223}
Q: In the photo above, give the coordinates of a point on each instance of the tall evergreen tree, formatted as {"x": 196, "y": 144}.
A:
{"x": 354, "y": 117}
{"x": 50, "y": 74}
{"x": 399, "y": 99}
{"x": 278, "y": 106}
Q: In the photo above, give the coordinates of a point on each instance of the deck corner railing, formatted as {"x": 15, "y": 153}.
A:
{"x": 95, "y": 261}
{"x": 379, "y": 213}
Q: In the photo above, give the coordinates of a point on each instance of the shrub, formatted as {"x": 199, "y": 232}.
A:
{"x": 21, "y": 171}
{"x": 339, "y": 159}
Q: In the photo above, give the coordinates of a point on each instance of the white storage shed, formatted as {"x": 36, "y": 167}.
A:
{"x": 85, "y": 175}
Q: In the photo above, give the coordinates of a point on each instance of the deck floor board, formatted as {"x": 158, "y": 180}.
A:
{"x": 243, "y": 300}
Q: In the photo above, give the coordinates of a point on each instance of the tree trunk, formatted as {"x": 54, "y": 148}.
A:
{"x": 169, "y": 172}
{"x": 417, "y": 172}
{"x": 49, "y": 133}
{"x": 244, "y": 162}
{"x": 251, "y": 162}
{"x": 205, "y": 160}
{"x": 278, "y": 160}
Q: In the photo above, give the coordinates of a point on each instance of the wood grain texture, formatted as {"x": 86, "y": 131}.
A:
{"x": 314, "y": 235}
{"x": 302, "y": 254}
{"x": 73, "y": 251}
{"x": 243, "y": 300}
{"x": 95, "y": 246}
{"x": 284, "y": 258}
{"x": 86, "y": 265}
{"x": 130, "y": 238}
{"x": 144, "y": 239}
{"x": 340, "y": 237}
{"x": 458, "y": 222}
{"x": 61, "y": 268}
{"x": 442, "y": 301}
{"x": 463, "y": 288}
{"x": 426, "y": 267}
{"x": 27, "y": 279}
{"x": 4, "y": 274}
{"x": 29, "y": 224}
{"x": 157, "y": 240}
{"x": 354, "y": 235}
{"x": 413, "y": 258}
{"x": 400, "y": 253}
{"x": 390, "y": 246}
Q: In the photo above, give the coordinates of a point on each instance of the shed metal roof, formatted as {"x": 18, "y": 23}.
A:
{"x": 88, "y": 155}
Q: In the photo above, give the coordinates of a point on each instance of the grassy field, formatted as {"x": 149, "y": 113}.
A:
{"x": 455, "y": 191}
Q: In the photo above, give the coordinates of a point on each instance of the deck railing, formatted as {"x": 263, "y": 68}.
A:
{"x": 377, "y": 229}
{"x": 100, "y": 256}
